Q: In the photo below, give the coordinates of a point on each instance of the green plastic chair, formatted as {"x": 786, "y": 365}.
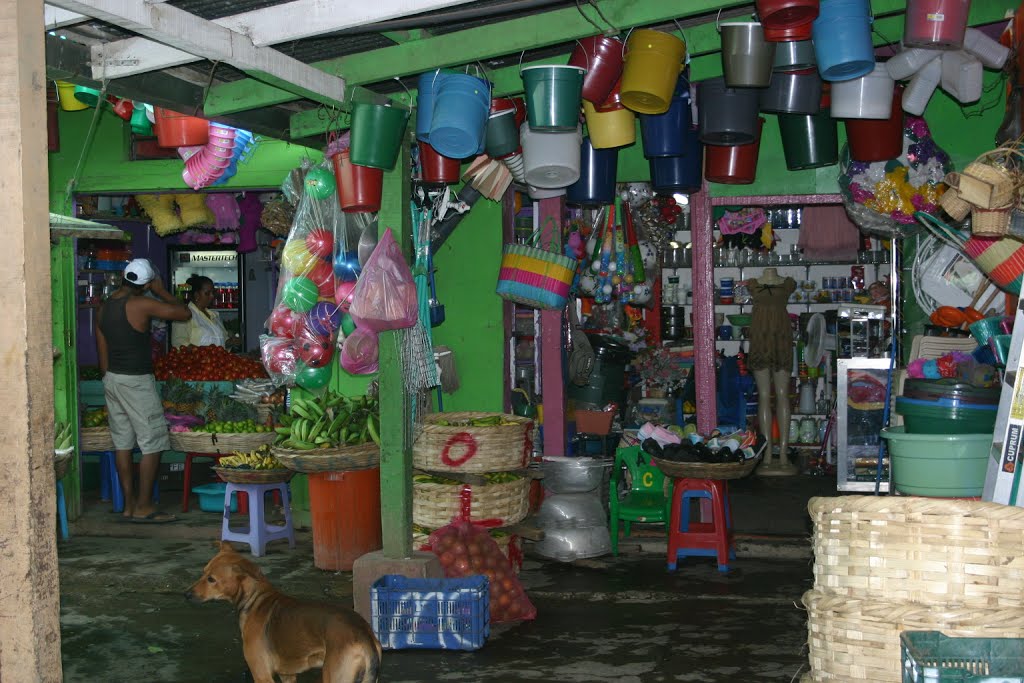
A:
{"x": 645, "y": 501}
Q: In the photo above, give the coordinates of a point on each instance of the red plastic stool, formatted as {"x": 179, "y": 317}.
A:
{"x": 700, "y": 539}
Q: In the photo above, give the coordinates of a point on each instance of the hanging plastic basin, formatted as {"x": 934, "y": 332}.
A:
{"x": 90, "y": 97}
{"x": 809, "y": 140}
{"x": 461, "y": 105}
{"x": 502, "y": 135}
{"x": 178, "y": 130}
{"x": 67, "y": 99}
{"x": 436, "y": 168}
{"x": 601, "y": 56}
{"x": 921, "y": 417}
{"x": 936, "y": 23}
{"x": 866, "y": 97}
{"x": 596, "y": 184}
{"x": 615, "y": 128}
{"x": 794, "y": 56}
{"x": 663, "y": 134}
{"x": 553, "y": 95}
{"x": 747, "y": 57}
{"x": 359, "y": 187}
{"x": 800, "y": 32}
{"x": 793, "y": 92}
{"x": 552, "y": 160}
{"x": 783, "y": 14}
{"x": 377, "y": 133}
{"x": 726, "y": 116}
{"x": 426, "y": 87}
{"x": 877, "y": 139}
{"x": 680, "y": 173}
{"x": 654, "y": 61}
{"x": 842, "y": 40}
{"x": 938, "y": 465}
{"x": 733, "y": 164}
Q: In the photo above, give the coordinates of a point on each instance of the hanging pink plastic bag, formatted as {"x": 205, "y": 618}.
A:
{"x": 385, "y": 295}
{"x": 359, "y": 352}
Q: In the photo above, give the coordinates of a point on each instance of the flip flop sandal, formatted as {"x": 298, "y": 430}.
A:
{"x": 155, "y": 518}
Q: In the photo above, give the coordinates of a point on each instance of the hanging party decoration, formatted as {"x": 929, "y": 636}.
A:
{"x": 613, "y": 267}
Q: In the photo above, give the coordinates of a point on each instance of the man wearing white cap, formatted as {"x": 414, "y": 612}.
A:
{"x": 135, "y": 411}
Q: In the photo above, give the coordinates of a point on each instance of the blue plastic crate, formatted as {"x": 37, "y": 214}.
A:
{"x": 439, "y": 614}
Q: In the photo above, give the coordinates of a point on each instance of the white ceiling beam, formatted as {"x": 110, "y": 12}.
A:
{"x": 55, "y": 18}
{"x": 203, "y": 39}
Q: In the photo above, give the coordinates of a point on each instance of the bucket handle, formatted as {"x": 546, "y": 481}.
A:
{"x": 410, "y": 99}
{"x": 585, "y": 54}
{"x": 626, "y": 41}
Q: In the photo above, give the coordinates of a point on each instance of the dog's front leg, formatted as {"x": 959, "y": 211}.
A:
{"x": 259, "y": 664}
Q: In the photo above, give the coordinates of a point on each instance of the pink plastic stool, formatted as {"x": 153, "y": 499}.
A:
{"x": 700, "y": 539}
{"x": 258, "y": 533}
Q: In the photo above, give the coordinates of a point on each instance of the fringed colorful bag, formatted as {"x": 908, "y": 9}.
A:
{"x": 534, "y": 276}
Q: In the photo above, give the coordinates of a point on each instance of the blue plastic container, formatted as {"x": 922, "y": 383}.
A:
{"x": 426, "y": 87}
{"x": 459, "y": 119}
{"x": 842, "y": 39}
{"x": 664, "y": 135}
{"x": 211, "y": 497}
{"x": 679, "y": 173}
{"x": 598, "y": 168}
{"x": 438, "y": 614}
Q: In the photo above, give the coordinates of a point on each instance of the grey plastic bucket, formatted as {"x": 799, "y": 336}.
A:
{"x": 727, "y": 116}
{"x": 747, "y": 58}
{"x": 794, "y": 56}
{"x": 792, "y": 92}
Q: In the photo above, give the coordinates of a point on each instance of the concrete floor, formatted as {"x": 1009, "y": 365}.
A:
{"x": 623, "y": 619}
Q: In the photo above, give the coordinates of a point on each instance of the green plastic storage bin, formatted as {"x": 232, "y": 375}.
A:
{"x": 930, "y": 657}
{"x": 938, "y": 465}
{"x": 941, "y": 420}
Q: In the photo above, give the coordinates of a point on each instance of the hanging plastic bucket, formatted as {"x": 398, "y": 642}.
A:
{"x": 601, "y": 56}
{"x": 553, "y": 97}
{"x": 177, "y": 130}
{"x": 936, "y": 23}
{"x": 615, "y": 128}
{"x": 502, "y": 136}
{"x": 786, "y": 13}
{"x": 377, "y": 134}
{"x": 681, "y": 173}
{"x": 867, "y": 97}
{"x": 596, "y": 184}
{"x": 747, "y": 57}
{"x": 809, "y": 140}
{"x": 794, "y": 56}
{"x": 359, "y": 187}
{"x": 733, "y": 164}
{"x": 426, "y": 88}
{"x": 787, "y": 35}
{"x": 461, "y": 105}
{"x": 877, "y": 139}
{"x": 654, "y": 61}
{"x": 552, "y": 160}
{"x": 793, "y": 92}
{"x": 436, "y": 168}
{"x": 90, "y": 97}
{"x": 140, "y": 121}
{"x": 663, "y": 134}
{"x": 66, "y": 96}
{"x": 727, "y": 116}
{"x": 542, "y": 193}
{"x": 842, "y": 40}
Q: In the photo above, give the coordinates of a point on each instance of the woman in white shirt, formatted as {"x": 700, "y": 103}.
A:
{"x": 205, "y": 327}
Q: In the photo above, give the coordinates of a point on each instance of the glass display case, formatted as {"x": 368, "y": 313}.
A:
{"x": 860, "y": 409}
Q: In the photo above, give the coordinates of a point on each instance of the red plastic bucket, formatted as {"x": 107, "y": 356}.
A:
{"x": 437, "y": 168}
{"x": 877, "y": 139}
{"x": 359, "y": 187}
{"x": 614, "y": 100}
{"x": 177, "y": 130}
{"x": 784, "y": 14}
{"x": 936, "y": 23}
{"x": 345, "y": 509}
{"x": 602, "y": 57}
{"x": 733, "y": 164}
{"x": 789, "y": 34}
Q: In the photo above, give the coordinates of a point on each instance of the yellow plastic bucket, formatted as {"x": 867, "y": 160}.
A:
{"x": 654, "y": 60}
{"x": 66, "y": 97}
{"x": 616, "y": 128}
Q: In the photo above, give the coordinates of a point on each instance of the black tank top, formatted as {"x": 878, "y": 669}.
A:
{"x": 128, "y": 350}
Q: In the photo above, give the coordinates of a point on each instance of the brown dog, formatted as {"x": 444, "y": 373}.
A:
{"x": 285, "y": 636}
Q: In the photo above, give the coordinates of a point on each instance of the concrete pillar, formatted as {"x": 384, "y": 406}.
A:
{"x": 29, "y": 591}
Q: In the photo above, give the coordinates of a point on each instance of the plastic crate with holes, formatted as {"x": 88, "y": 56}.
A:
{"x": 931, "y": 657}
{"x": 439, "y": 614}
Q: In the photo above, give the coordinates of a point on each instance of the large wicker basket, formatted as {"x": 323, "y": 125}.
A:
{"x": 95, "y": 440}
{"x": 435, "y": 505}
{"x": 234, "y": 475}
{"x": 441, "y": 448}
{"x": 925, "y": 550}
{"x": 329, "y": 459}
{"x": 205, "y": 442}
{"x": 703, "y": 470}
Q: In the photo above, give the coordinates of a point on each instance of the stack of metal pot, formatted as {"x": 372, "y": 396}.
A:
{"x": 573, "y": 515}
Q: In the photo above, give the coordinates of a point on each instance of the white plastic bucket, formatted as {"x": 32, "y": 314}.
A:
{"x": 552, "y": 160}
{"x": 921, "y": 87}
{"x": 962, "y": 75}
{"x": 867, "y": 97}
{"x": 538, "y": 193}
{"x": 910, "y": 61}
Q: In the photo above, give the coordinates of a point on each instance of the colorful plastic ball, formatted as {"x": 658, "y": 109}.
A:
{"x": 319, "y": 183}
{"x": 300, "y": 294}
{"x": 595, "y": 266}
{"x": 324, "y": 318}
{"x": 279, "y": 356}
{"x": 588, "y": 284}
{"x": 313, "y": 350}
{"x": 297, "y": 258}
{"x": 282, "y": 323}
{"x": 312, "y": 379}
{"x": 607, "y": 290}
{"x": 343, "y": 294}
{"x": 641, "y": 294}
{"x": 346, "y": 266}
{"x": 322, "y": 275}
{"x": 320, "y": 242}
{"x": 348, "y": 325}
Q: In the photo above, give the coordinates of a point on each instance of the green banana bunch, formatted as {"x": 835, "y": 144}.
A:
{"x": 329, "y": 421}
{"x": 63, "y": 435}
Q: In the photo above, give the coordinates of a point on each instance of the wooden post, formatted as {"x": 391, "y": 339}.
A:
{"x": 29, "y": 592}
{"x": 549, "y": 215}
{"x": 702, "y": 235}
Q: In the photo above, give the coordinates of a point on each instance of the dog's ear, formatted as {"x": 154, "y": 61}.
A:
{"x": 226, "y": 547}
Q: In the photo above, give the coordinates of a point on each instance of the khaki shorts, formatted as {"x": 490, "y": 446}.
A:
{"x": 135, "y": 413}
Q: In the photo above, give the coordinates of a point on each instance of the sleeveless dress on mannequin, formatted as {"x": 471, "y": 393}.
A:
{"x": 771, "y": 336}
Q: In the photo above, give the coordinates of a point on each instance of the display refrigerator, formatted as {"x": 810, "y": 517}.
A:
{"x": 224, "y": 268}
{"x": 860, "y": 416}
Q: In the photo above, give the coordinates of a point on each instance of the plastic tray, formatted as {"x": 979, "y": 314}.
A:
{"x": 444, "y": 614}
{"x": 930, "y": 657}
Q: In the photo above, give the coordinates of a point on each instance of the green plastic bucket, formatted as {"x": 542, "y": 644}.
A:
{"x": 377, "y": 134}
{"x": 938, "y": 465}
{"x": 809, "y": 140}
{"x": 86, "y": 95}
{"x": 938, "y": 419}
{"x": 553, "y": 97}
{"x": 140, "y": 122}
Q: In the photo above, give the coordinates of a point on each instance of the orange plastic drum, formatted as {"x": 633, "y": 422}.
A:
{"x": 345, "y": 507}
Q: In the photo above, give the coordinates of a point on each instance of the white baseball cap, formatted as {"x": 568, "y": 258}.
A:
{"x": 139, "y": 271}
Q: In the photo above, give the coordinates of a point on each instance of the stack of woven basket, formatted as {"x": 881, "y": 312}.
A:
{"x": 987, "y": 189}
{"x": 886, "y": 565}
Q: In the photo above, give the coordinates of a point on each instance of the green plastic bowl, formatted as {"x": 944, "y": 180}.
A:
{"x": 942, "y": 420}
{"x": 740, "y": 319}
{"x": 938, "y": 465}
{"x": 87, "y": 95}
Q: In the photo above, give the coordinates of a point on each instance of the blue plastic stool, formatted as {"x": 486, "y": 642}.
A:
{"x": 258, "y": 533}
{"x": 62, "y": 511}
{"x": 110, "y": 482}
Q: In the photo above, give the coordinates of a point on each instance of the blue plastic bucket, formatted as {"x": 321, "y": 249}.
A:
{"x": 596, "y": 184}
{"x": 426, "y": 87}
{"x": 664, "y": 134}
{"x": 682, "y": 173}
{"x": 842, "y": 39}
{"x": 459, "y": 119}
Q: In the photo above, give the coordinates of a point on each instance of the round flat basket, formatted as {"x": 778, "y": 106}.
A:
{"x": 206, "y": 442}
{"x": 435, "y": 505}
{"x": 459, "y": 447}
{"x": 704, "y": 470}
{"x": 234, "y": 475}
{"x": 329, "y": 459}
{"x": 95, "y": 439}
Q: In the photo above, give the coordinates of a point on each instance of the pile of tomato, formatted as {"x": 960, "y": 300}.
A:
{"x": 206, "y": 364}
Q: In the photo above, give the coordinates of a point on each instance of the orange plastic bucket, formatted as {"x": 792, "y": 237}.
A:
{"x": 345, "y": 508}
{"x": 359, "y": 187}
{"x": 177, "y": 130}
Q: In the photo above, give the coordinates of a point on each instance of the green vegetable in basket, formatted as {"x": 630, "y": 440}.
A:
{"x": 330, "y": 421}
{"x": 63, "y": 436}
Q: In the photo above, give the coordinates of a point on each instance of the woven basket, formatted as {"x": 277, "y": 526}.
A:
{"x": 205, "y": 442}
{"x": 983, "y": 185}
{"x": 234, "y": 475}
{"x": 701, "y": 470}
{"x": 435, "y": 505}
{"x": 95, "y": 440}
{"x": 990, "y": 222}
{"x": 953, "y": 205}
{"x": 859, "y": 639}
{"x": 534, "y": 277}
{"x": 329, "y": 459}
{"x": 925, "y": 550}
{"x": 61, "y": 460}
{"x": 472, "y": 449}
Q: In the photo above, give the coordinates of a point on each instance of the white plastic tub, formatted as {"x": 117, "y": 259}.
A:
{"x": 867, "y": 97}
{"x": 552, "y": 159}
